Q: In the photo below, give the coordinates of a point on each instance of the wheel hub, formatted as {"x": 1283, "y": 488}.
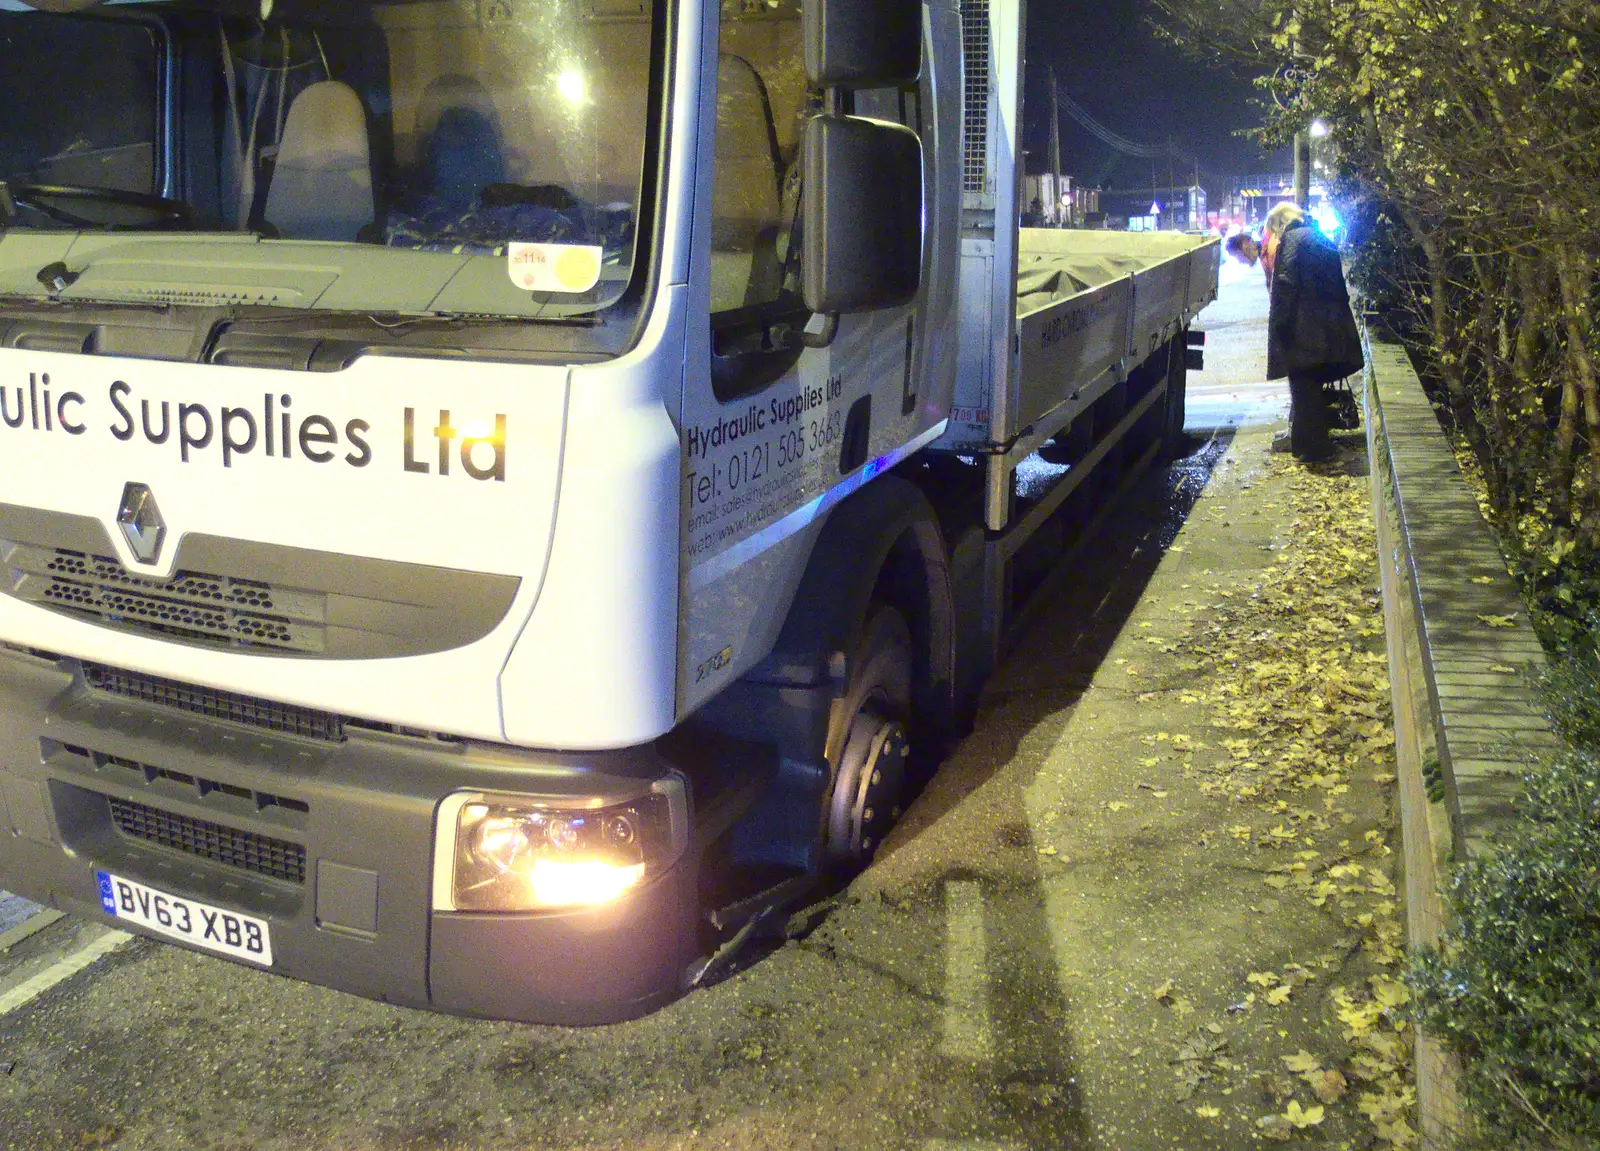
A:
{"x": 867, "y": 787}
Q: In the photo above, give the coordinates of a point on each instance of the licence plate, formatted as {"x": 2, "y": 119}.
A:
{"x": 238, "y": 936}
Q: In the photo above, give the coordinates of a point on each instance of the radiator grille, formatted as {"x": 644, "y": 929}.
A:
{"x": 194, "y": 605}
{"x": 258, "y": 854}
{"x": 975, "y": 114}
{"x": 226, "y": 705}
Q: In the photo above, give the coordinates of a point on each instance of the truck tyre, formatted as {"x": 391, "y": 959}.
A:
{"x": 869, "y": 742}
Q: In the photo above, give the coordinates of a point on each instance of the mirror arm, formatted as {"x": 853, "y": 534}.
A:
{"x": 824, "y": 337}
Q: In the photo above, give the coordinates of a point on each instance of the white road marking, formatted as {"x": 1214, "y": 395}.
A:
{"x": 61, "y": 969}
{"x": 967, "y": 1034}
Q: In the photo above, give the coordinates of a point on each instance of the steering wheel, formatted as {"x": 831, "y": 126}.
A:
{"x": 165, "y": 213}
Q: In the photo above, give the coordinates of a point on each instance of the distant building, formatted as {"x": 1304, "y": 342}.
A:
{"x": 1158, "y": 209}
{"x": 1050, "y": 201}
{"x": 1255, "y": 195}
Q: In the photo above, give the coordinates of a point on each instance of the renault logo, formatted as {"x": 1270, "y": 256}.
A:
{"x": 141, "y": 523}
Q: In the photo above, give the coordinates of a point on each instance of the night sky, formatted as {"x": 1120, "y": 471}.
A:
{"x": 1109, "y": 59}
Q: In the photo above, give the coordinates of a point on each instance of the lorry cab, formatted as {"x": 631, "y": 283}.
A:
{"x": 413, "y": 411}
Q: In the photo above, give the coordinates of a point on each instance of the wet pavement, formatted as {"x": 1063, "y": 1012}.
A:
{"x": 991, "y": 982}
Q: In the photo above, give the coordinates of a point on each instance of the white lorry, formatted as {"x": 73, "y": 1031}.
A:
{"x": 496, "y": 493}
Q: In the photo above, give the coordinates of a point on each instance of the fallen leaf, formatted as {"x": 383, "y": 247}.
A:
{"x": 1384, "y": 1108}
{"x": 1200, "y": 1046}
{"x": 1328, "y": 1086}
{"x": 1261, "y": 978}
{"x": 1497, "y": 620}
{"x": 1398, "y": 1133}
{"x": 1303, "y": 1117}
{"x": 1365, "y": 1066}
{"x": 1389, "y": 993}
{"x": 1483, "y": 579}
{"x": 1207, "y": 1112}
{"x": 1301, "y": 1061}
{"x": 1162, "y": 992}
{"x": 1279, "y": 995}
{"x": 1502, "y": 669}
{"x": 1116, "y": 805}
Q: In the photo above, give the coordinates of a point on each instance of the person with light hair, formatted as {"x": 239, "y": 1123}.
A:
{"x": 1311, "y": 335}
{"x": 1247, "y": 249}
{"x": 1278, "y": 221}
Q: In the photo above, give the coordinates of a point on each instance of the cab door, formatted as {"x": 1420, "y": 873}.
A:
{"x": 789, "y": 414}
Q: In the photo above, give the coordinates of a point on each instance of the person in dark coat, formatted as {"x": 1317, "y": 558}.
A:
{"x": 1311, "y": 335}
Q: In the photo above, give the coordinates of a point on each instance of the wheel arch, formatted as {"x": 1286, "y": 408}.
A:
{"x": 883, "y": 543}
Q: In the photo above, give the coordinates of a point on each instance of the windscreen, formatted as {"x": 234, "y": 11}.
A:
{"x": 476, "y": 157}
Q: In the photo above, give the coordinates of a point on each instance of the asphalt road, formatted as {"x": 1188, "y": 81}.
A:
{"x": 981, "y": 987}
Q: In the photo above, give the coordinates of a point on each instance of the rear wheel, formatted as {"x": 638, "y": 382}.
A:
{"x": 869, "y": 742}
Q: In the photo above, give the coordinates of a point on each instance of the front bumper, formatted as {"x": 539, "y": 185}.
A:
{"x": 329, "y": 839}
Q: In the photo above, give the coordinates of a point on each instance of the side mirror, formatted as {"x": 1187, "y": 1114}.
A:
{"x": 862, "y": 215}
{"x": 863, "y": 43}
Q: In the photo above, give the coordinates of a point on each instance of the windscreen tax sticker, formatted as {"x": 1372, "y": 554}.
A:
{"x": 568, "y": 268}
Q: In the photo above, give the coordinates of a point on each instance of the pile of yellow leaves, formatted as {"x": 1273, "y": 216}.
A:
{"x": 1294, "y": 685}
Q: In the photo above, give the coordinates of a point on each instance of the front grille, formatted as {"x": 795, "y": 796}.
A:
{"x": 280, "y": 717}
{"x": 209, "y": 790}
{"x": 258, "y": 854}
{"x": 193, "y": 605}
{"x": 975, "y": 115}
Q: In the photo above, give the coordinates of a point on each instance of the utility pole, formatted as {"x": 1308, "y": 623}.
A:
{"x": 1054, "y": 210}
{"x": 1172, "y": 173}
{"x": 1302, "y": 167}
{"x": 1302, "y": 138}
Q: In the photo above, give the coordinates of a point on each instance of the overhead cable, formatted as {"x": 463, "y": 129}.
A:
{"x": 1121, "y": 143}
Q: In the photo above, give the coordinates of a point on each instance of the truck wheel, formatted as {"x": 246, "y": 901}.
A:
{"x": 869, "y": 742}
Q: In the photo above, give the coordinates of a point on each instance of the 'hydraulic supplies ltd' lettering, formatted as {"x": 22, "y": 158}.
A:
{"x": 779, "y": 412}
{"x": 272, "y": 428}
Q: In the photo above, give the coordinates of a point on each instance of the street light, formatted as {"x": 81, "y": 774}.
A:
{"x": 1319, "y": 129}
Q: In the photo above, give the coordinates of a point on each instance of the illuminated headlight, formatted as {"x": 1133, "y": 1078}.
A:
{"x": 513, "y": 854}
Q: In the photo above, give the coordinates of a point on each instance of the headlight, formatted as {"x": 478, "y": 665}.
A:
{"x": 512, "y": 854}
